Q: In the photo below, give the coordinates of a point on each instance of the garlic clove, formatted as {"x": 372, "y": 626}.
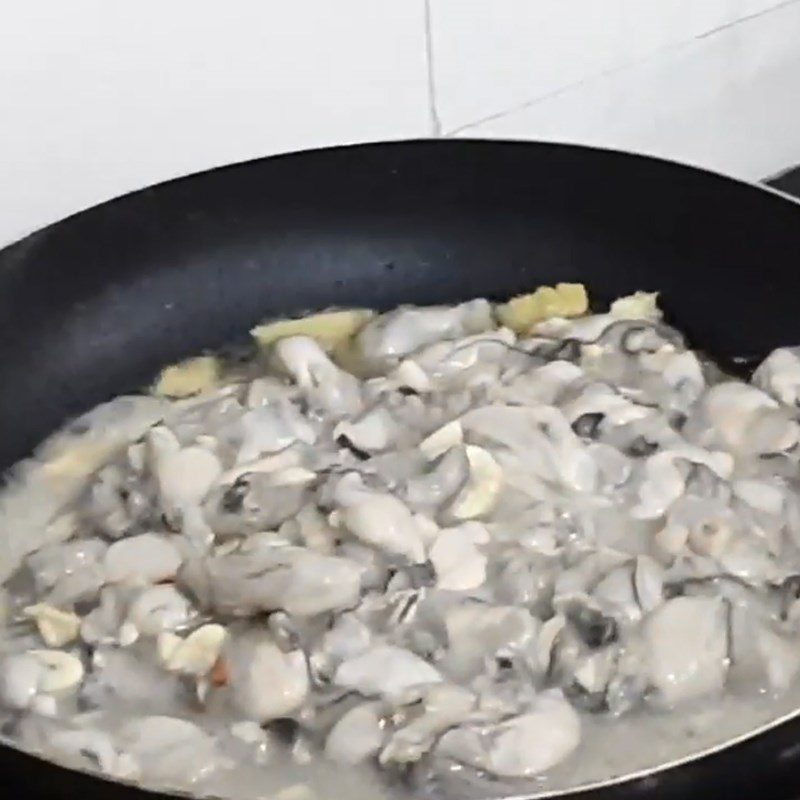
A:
{"x": 194, "y": 655}
{"x": 441, "y": 440}
{"x": 56, "y": 627}
{"x": 61, "y": 671}
{"x": 483, "y": 487}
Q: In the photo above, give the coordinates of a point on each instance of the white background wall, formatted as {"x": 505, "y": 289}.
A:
{"x": 99, "y": 97}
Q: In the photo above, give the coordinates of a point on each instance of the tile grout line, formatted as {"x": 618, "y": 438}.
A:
{"x": 433, "y": 112}
{"x": 523, "y": 106}
{"x": 746, "y": 18}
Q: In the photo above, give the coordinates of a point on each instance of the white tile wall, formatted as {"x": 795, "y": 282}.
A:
{"x": 493, "y": 56}
{"x": 98, "y": 98}
{"x": 729, "y": 101}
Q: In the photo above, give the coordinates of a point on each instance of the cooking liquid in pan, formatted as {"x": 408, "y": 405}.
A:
{"x": 459, "y": 550}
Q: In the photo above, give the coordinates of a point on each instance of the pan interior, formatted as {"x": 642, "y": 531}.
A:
{"x": 93, "y": 306}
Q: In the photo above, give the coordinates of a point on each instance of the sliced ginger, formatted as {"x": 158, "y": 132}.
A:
{"x": 330, "y": 328}
{"x": 79, "y": 460}
{"x": 193, "y": 376}
{"x": 563, "y": 300}
{"x": 639, "y": 305}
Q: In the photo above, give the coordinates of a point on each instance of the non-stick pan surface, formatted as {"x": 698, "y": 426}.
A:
{"x": 93, "y": 305}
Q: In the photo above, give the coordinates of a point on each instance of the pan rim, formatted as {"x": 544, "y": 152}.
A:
{"x": 400, "y": 144}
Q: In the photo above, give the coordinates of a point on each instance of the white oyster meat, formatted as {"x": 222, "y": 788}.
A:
{"x": 456, "y": 545}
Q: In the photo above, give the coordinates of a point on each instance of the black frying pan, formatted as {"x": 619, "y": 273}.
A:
{"x": 92, "y": 306}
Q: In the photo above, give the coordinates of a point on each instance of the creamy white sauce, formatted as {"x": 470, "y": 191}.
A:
{"x": 491, "y": 563}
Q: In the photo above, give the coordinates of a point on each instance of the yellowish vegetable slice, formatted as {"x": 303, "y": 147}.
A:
{"x": 79, "y": 460}
{"x": 56, "y": 627}
{"x": 194, "y": 655}
{"x": 330, "y": 328}
{"x": 60, "y": 671}
{"x": 187, "y": 378}
{"x": 563, "y": 300}
{"x": 639, "y": 305}
{"x": 483, "y": 486}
